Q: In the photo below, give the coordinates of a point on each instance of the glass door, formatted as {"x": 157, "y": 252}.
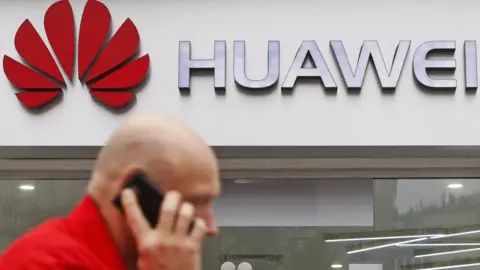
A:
{"x": 418, "y": 224}
{"x": 295, "y": 224}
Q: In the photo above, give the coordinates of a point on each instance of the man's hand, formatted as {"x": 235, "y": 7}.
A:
{"x": 171, "y": 245}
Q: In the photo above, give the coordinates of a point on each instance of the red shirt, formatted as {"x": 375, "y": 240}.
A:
{"x": 80, "y": 241}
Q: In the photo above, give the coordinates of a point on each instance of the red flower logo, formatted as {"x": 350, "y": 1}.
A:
{"x": 106, "y": 67}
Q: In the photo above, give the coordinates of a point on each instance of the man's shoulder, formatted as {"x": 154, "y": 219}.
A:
{"x": 50, "y": 234}
{"x": 48, "y": 243}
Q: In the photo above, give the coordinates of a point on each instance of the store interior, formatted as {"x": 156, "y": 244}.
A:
{"x": 297, "y": 221}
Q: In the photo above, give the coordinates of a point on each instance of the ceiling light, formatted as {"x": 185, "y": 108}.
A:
{"x": 447, "y": 252}
{"x": 450, "y": 266}
{"x": 26, "y": 187}
{"x": 455, "y": 185}
{"x": 387, "y": 245}
{"x": 423, "y": 238}
{"x": 440, "y": 245}
{"x": 242, "y": 181}
{"x": 382, "y": 238}
{"x": 455, "y": 234}
{"x": 441, "y": 236}
{"x": 336, "y": 266}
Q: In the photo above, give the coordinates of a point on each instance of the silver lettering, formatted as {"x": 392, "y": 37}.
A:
{"x": 320, "y": 69}
{"x": 370, "y": 49}
{"x": 273, "y": 72}
{"x": 186, "y": 64}
{"x": 471, "y": 70}
{"x": 421, "y": 64}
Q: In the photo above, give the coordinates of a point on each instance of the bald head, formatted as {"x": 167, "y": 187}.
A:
{"x": 172, "y": 155}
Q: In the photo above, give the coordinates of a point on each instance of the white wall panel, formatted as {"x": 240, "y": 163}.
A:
{"x": 307, "y": 117}
{"x": 303, "y": 203}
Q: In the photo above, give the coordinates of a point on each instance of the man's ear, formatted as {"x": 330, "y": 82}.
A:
{"x": 127, "y": 175}
{"x": 124, "y": 178}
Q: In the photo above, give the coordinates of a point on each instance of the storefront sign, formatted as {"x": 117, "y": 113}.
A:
{"x": 109, "y": 72}
{"x": 365, "y": 83}
{"x": 111, "y": 77}
{"x": 424, "y": 67}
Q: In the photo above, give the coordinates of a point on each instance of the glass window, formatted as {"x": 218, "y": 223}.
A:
{"x": 25, "y": 204}
{"x": 418, "y": 224}
{"x": 398, "y": 224}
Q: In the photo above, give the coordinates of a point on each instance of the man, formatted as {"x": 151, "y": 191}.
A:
{"x": 97, "y": 236}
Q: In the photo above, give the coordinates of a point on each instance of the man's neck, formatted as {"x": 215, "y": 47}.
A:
{"x": 119, "y": 233}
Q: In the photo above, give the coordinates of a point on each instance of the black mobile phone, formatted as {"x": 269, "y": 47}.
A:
{"x": 149, "y": 197}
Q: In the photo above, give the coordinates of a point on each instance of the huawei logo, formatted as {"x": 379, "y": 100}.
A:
{"x": 105, "y": 66}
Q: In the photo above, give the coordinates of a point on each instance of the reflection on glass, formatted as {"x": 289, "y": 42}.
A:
{"x": 25, "y": 204}
{"x": 419, "y": 224}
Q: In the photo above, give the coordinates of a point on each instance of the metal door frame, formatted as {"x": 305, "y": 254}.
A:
{"x": 275, "y": 162}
